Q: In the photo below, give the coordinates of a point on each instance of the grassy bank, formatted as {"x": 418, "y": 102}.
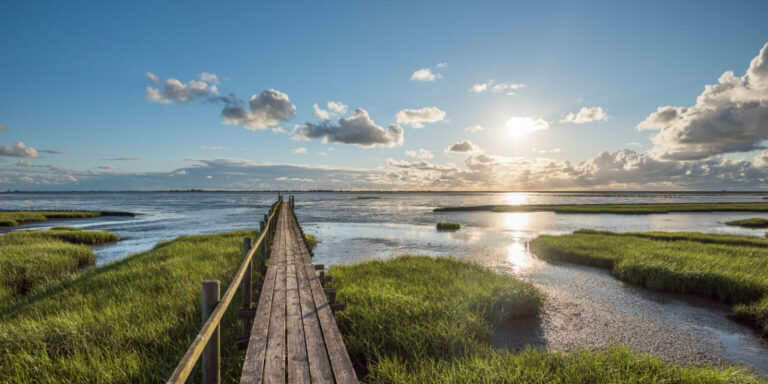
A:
{"x": 756, "y": 222}
{"x": 424, "y": 320}
{"x": 442, "y": 226}
{"x": 14, "y": 218}
{"x": 29, "y": 259}
{"x": 126, "y": 322}
{"x": 617, "y": 208}
{"x": 721, "y": 267}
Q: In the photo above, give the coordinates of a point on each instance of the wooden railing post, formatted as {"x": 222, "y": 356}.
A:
{"x": 262, "y": 247}
{"x": 211, "y": 352}
{"x": 247, "y": 288}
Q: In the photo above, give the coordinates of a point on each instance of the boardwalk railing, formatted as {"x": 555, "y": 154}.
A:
{"x": 207, "y": 342}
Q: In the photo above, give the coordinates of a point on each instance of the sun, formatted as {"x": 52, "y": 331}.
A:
{"x": 521, "y": 126}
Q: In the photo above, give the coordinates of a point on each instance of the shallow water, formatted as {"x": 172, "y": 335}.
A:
{"x": 586, "y": 307}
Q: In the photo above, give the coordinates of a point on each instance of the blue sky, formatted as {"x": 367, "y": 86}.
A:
{"x": 73, "y": 78}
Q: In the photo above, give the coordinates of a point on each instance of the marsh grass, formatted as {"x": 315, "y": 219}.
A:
{"x": 617, "y": 208}
{"x": 310, "y": 240}
{"x": 14, "y": 218}
{"x": 442, "y": 226}
{"x": 415, "y": 307}
{"x": 29, "y": 259}
{"x": 756, "y": 222}
{"x": 130, "y": 321}
{"x": 428, "y": 320}
{"x": 729, "y": 270}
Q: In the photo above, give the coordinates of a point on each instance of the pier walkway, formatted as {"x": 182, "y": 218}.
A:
{"x": 293, "y": 337}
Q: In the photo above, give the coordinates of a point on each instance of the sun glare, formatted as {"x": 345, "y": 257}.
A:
{"x": 520, "y": 126}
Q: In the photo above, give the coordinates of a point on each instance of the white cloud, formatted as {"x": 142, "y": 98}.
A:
{"x": 463, "y": 146}
{"x": 492, "y": 86}
{"x": 441, "y": 65}
{"x": 730, "y": 116}
{"x": 174, "y": 91}
{"x": 212, "y": 147}
{"x": 209, "y": 78}
{"x": 417, "y": 117}
{"x": 424, "y": 74}
{"x": 420, "y": 154}
{"x": 18, "y": 150}
{"x": 266, "y": 109}
{"x": 337, "y": 107}
{"x": 23, "y": 163}
{"x": 357, "y": 129}
{"x": 474, "y": 128}
{"x": 153, "y": 78}
{"x": 321, "y": 113}
{"x": 299, "y": 150}
{"x": 586, "y": 115}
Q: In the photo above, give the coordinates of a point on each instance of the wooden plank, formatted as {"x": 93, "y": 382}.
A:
{"x": 341, "y": 365}
{"x": 298, "y": 365}
{"x": 319, "y": 366}
{"x": 274, "y": 370}
{"x": 253, "y": 366}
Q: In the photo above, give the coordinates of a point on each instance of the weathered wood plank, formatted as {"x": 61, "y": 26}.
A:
{"x": 274, "y": 370}
{"x": 341, "y": 365}
{"x": 253, "y": 366}
{"x": 319, "y": 366}
{"x": 298, "y": 365}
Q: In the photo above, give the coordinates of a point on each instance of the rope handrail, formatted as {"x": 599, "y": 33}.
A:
{"x": 187, "y": 363}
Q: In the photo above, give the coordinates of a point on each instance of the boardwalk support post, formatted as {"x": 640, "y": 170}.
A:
{"x": 247, "y": 288}
{"x": 211, "y": 352}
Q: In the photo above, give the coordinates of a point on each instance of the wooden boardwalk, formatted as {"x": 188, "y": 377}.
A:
{"x": 294, "y": 338}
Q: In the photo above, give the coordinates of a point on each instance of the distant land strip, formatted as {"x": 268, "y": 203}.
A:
{"x": 614, "y": 208}
{"x": 9, "y": 218}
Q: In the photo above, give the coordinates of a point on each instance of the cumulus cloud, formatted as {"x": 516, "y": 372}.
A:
{"x": 417, "y": 117}
{"x": 429, "y": 74}
{"x": 492, "y": 86}
{"x": 23, "y": 163}
{"x": 357, "y": 129}
{"x": 586, "y": 115}
{"x": 299, "y": 150}
{"x": 420, "y": 154}
{"x": 424, "y": 74}
{"x": 730, "y": 116}
{"x": 266, "y": 109}
{"x": 474, "y": 128}
{"x": 174, "y": 91}
{"x": 18, "y": 150}
{"x": 335, "y": 108}
{"x": 463, "y": 146}
{"x": 761, "y": 160}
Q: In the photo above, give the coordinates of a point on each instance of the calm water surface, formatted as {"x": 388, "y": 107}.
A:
{"x": 586, "y": 307}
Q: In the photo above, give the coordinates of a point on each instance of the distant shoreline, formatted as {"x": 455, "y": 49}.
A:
{"x": 586, "y": 192}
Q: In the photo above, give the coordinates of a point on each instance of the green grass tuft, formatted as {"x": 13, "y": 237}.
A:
{"x": 415, "y": 307}
{"x": 730, "y": 269}
{"x": 14, "y": 218}
{"x": 448, "y": 226}
{"x": 310, "y": 240}
{"x": 130, "y": 321}
{"x": 29, "y": 259}
{"x": 756, "y": 222}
